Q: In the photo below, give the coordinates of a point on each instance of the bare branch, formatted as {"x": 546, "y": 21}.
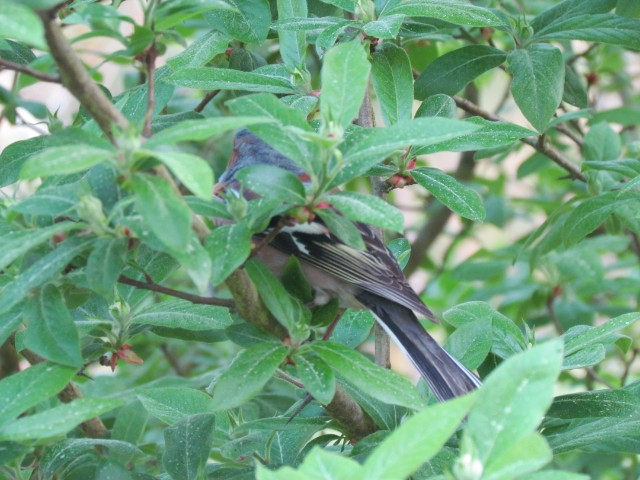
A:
{"x": 45, "y": 77}
{"x": 207, "y": 98}
{"x": 154, "y": 287}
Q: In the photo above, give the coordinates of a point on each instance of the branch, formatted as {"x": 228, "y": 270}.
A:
{"x": 350, "y": 415}
{"x": 76, "y": 78}
{"x": 150, "y": 60}
{"x": 536, "y": 142}
{"x": 207, "y": 98}
{"x": 154, "y": 287}
{"x": 45, "y": 77}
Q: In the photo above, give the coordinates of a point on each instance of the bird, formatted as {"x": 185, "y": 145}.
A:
{"x": 364, "y": 279}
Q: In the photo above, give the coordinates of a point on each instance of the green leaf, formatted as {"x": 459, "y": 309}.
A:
{"x": 489, "y": 135}
{"x": 57, "y": 420}
{"x": 318, "y": 464}
{"x": 459, "y": 198}
{"x": 293, "y": 45}
{"x": 163, "y": 211}
{"x": 9, "y": 322}
{"x": 416, "y": 440}
{"x": 600, "y": 333}
{"x": 452, "y": 11}
{"x": 191, "y": 170}
{"x": 601, "y": 28}
{"x": 184, "y": 314}
{"x": 248, "y": 23}
{"x": 287, "y": 309}
{"x": 273, "y": 183}
{"x": 106, "y": 261}
{"x": 201, "y": 51}
{"x": 345, "y": 75}
{"x": 384, "y": 27}
{"x": 16, "y": 52}
{"x": 213, "y": 208}
{"x": 590, "y": 214}
{"x": 316, "y": 376}
{"x": 247, "y": 374}
{"x": 556, "y": 475}
{"x": 197, "y": 130}
{"x": 367, "y": 147}
{"x": 187, "y": 446}
{"x": 353, "y": 328}
{"x": 570, "y": 8}
{"x": 628, "y": 8}
{"x": 63, "y": 161}
{"x": 602, "y": 143}
{"x": 228, "y": 246}
{"x": 17, "y": 243}
{"x": 41, "y": 272}
{"x": 439, "y": 105}
{"x": 52, "y": 201}
{"x": 210, "y": 78}
{"x": 370, "y": 209}
{"x": 23, "y": 390}
{"x": 172, "y": 404}
{"x": 575, "y": 91}
{"x": 451, "y": 72}
{"x": 51, "y": 331}
{"x": 471, "y": 343}
{"x": 330, "y": 35}
{"x": 393, "y": 82}
{"x": 19, "y": 23}
{"x": 130, "y": 423}
{"x": 538, "y": 82}
{"x": 512, "y": 402}
{"x": 342, "y": 227}
{"x": 526, "y": 455}
{"x": 384, "y": 385}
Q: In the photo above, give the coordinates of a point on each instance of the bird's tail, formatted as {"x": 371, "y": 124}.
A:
{"x": 445, "y": 375}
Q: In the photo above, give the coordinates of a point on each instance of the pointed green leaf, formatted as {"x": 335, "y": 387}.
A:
{"x": 600, "y": 333}
{"x": 63, "y": 161}
{"x": 316, "y": 376}
{"x": 184, "y": 314}
{"x": 393, "y": 82}
{"x": 384, "y": 27}
{"x": 191, "y": 170}
{"x": 370, "y": 209}
{"x": 342, "y": 227}
{"x": 171, "y": 404}
{"x": 248, "y": 22}
{"x": 19, "y": 23}
{"x": 228, "y": 246}
{"x": 273, "y": 183}
{"x": 211, "y": 78}
{"x": 187, "y": 446}
{"x": 106, "y": 261}
{"x": 453, "y": 11}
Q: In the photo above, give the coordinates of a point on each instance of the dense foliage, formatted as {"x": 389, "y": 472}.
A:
{"x": 111, "y": 257}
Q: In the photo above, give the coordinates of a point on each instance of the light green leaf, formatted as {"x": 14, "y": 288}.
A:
{"x": 228, "y": 246}
{"x": 353, "y": 328}
{"x": 602, "y": 143}
{"x": 191, "y": 170}
{"x": 570, "y": 8}
{"x": 526, "y": 455}
{"x": 345, "y": 75}
{"x": 247, "y": 374}
{"x": 384, "y": 27}
{"x": 453, "y": 11}
{"x": 416, "y": 440}
{"x": 19, "y": 23}
{"x": 451, "y": 72}
{"x": 459, "y": 198}
{"x": 342, "y": 227}
{"x": 439, "y": 105}
{"x": 384, "y": 385}
{"x": 187, "y": 446}
{"x": 628, "y": 8}
{"x": 211, "y": 78}
{"x": 538, "y": 82}
{"x": 316, "y": 376}
{"x": 201, "y": 51}
{"x": 273, "y": 183}
{"x": 471, "y": 343}
{"x": 171, "y": 404}
{"x": 23, "y": 390}
{"x": 393, "y": 82}
{"x": 164, "y": 212}
{"x": 106, "y": 261}
{"x": 293, "y": 44}
{"x": 184, "y": 314}
{"x": 57, "y": 420}
{"x": 600, "y": 333}
{"x": 248, "y": 23}
{"x": 370, "y": 209}
{"x": 63, "y": 161}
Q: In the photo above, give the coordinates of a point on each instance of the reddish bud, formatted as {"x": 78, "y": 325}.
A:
{"x": 314, "y": 93}
{"x": 58, "y": 238}
{"x": 412, "y": 164}
{"x": 401, "y": 181}
{"x": 592, "y": 78}
{"x": 228, "y": 52}
{"x": 302, "y": 215}
{"x": 128, "y": 355}
{"x": 113, "y": 362}
{"x": 322, "y": 205}
{"x": 557, "y": 291}
{"x": 126, "y": 231}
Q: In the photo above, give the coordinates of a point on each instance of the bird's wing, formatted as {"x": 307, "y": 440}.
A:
{"x": 374, "y": 269}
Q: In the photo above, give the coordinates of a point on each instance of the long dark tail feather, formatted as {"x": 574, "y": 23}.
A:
{"x": 445, "y": 375}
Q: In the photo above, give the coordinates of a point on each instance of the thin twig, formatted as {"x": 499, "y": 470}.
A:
{"x": 536, "y": 142}
{"x": 570, "y": 134}
{"x": 268, "y": 238}
{"x": 627, "y": 366}
{"x": 207, "y": 98}
{"x": 154, "y": 287}
{"x": 45, "y": 77}
{"x": 173, "y": 361}
{"x": 150, "y": 60}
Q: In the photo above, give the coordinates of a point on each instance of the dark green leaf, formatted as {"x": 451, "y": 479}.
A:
{"x": 538, "y": 82}
{"x": 575, "y": 91}
{"x": 471, "y": 343}
{"x": 16, "y": 52}
{"x": 393, "y": 82}
{"x": 342, "y": 227}
{"x": 384, "y": 27}
{"x": 571, "y": 8}
{"x": 53, "y": 201}
{"x": 248, "y": 23}
{"x": 401, "y": 249}
{"x": 185, "y": 315}
{"x": 208, "y": 78}
{"x": 172, "y": 404}
{"x": 600, "y": 333}
{"x": 345, "y": 75}
{"x": 212, "y": 208}
{"x": 384, "y": 385}
{"x": 416, "y": 440}
{"x": 353, "y": 328}
{"x": 63, "y": 161}
{"x": 201, "y": 51}
{"x": 57, "y": 420}
{"x": 459, "y": 198}
{"x": 602, "y": 143}
{"x": 316, "y": 376}
{"x": 187, "y": 446}
{"x": 106, "y": 261}
{"x": 228, "y": 246}
{"x": 293, "y": 44}
{"x": 164, "y": 212}
{"x": 21, "y": 391}
{"x": 439, "y": 105}
{"x": 273, "y": 183}
{"x": 451, "y": 72}
{"x": 361, "y": 207}
{"x": 247, "y": 374}
{"x": 9, "y": 322}
{"x": 628, "y": 8}
{"x": 450, "y": 11}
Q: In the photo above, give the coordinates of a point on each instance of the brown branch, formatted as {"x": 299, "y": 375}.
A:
{"x": 76, "y": 78}
{"x": 150, "y": 60}
{"x": 45, "y": 77}
{"x": 207, "y": 98}
{"x": 570, "y": 134}
{"x": 173, "y": 361}
{"x": 536, "y": 142}
{"x": 345, "y": 410}
{"x": 154, "y": 287}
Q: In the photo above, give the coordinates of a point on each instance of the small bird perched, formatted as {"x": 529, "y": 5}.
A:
{"x": 369, "y": 278}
